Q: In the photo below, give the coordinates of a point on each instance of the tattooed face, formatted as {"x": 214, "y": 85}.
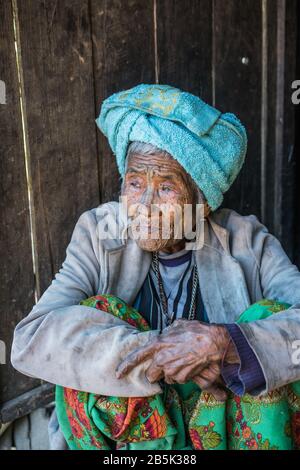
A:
{"x": 153, "y": 181}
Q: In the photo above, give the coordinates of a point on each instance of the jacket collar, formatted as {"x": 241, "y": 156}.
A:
{"x": 220, "y": 232}
{"x": 221, "y": 279}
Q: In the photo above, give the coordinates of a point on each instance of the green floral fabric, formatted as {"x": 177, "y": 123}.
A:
{"x": 182, "y": 417}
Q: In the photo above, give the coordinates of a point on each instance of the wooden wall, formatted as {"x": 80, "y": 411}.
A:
{"x": 60, "y": 59}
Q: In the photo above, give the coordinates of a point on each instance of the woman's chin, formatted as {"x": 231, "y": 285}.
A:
{"x": 151, "y": 245}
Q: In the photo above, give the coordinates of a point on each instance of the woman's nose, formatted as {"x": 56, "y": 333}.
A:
{"x": 146, "y": 201}
{"x": 148, "y": 197}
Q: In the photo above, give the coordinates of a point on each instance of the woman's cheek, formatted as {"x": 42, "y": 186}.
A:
{"x": 177, "y": 198}
{"x": 132, "y": 193}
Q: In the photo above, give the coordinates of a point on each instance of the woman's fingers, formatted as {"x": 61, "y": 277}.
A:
{"x": 218, "y": 392}
{"x": 164, "y": 365}
{"x": 135, "y": 358}
{"x": 154, "y": 372}
{"x": 209, "y": 381}
{"x": 212, "y": 372}
{"x": 181, "y": 371}
{"x": 176, "y": 368}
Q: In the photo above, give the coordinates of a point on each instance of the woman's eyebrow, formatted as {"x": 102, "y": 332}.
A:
{"x": 167, "y": 176}
{"x": 135, "y": 170}
{"x": 162, "y": 174}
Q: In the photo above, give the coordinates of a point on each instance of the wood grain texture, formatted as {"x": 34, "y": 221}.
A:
{"x": 296, "y": 192}
{"x": 56, "y": 50}
{"x": 184, "y": 45}
{"x": 123, "y": 53}
{"x": 288, "y": 217}
{"x": 17, "y": 277}
{"x": 237, "y": 71}
{"x": 27, "y": 402}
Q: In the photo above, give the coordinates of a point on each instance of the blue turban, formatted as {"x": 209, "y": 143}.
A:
{"x": 210, "y": 146}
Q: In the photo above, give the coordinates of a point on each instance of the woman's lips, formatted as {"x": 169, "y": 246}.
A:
{"x": 155, "y": 230}
{"x": 152, "y": 226}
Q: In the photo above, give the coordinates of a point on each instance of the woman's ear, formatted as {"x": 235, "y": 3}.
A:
{"x": 200, "y": 199}
{"x": 207, "y": 209}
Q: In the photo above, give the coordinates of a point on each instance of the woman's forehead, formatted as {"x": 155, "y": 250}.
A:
{"x": 162, "y": 163}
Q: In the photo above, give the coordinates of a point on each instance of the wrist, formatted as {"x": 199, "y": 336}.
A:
{"x": 227, "y": 348}
{"x": 222, "y": 340}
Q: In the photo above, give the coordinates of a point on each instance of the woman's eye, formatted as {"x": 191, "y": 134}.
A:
{"x": 166, "y": 189}
{"x": 134, "y": 184}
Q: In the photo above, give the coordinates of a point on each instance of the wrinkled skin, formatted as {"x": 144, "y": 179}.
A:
{"x": 186, "y": 350}
{"x": 158, "y": 179}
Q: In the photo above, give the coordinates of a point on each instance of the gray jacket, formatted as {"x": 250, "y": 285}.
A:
{"x": 79, "y": 347}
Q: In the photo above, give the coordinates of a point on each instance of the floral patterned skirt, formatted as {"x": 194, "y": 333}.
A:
{"x": 182, "y": 417}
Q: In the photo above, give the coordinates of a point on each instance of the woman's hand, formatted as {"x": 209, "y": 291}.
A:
{"x": 186, "y": 350}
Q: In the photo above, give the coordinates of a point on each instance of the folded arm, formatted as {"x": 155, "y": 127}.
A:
{"x": 273, "y": 339}
{"x": 73, "y": 345}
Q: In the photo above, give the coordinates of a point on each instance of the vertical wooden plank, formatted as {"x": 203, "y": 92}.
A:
{"x": 123, "y": 41}
{"x": 296, "y": 245}
{"x": 270, "y": 130}
{"x": 238, "y": 72}
{"x": 56, "y": 52}
{"x": 280, "y": 152}
{"x": 17, "y": 278}
{"x": 289, "y": 156}
{"x": 184, "y": 45}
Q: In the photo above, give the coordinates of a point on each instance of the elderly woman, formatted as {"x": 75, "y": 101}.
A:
{"x": 146, "y": 338}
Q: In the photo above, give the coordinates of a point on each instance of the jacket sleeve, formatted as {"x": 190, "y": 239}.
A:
{"x": 73, "y": 345}
{"x": 247, "y": 375}
{"x": 275, "y": 340}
